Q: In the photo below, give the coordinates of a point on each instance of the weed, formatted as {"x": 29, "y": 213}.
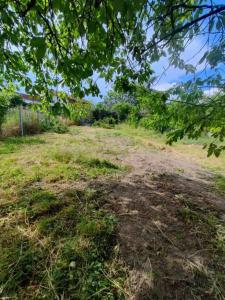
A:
{"x": 187, "y": 214}
{"x": 220, "y": 183}
{"x": 63, "y": 156}
{"x": 209, "y": 278}
{"x": 13, "y": 144}
{"x": 107, "y": 123}
{"x": 61, "y": 224}
{"x": 96, "y": 163}
{"x": 69, "y": 253}
{"x": 21, "y": 262}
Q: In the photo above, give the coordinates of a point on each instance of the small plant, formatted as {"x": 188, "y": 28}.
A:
{"x": 188, "y": 215}
{"x": 107, "y": 122}
{"x": 53, "y": 124}
{"x": 60, "y": 128}
{"x": 220, "y": 183}
{"x": 60, "y": 248}
{"x": 96, "y": 163}
{"x": 63, "y": 155}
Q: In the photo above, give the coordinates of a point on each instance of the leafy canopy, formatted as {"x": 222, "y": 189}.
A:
{"x": 69, "y": 43}
{"x": 8, "y": 99}
{"x": 66, "y": 41}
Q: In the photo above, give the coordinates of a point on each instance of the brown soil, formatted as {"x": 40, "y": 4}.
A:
{"x": 166, "y": 253}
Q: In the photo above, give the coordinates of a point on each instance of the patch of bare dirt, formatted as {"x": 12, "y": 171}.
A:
{"x": 166, "y": 250}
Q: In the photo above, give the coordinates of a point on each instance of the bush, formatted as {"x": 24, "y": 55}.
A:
{"x": 107, "y": 123}
{"x": 33, "y": 123}
{"x": 80, "y": 111}
{"x": 4, "y": 106}
{"x": 53, "y": 124}
{"x": 60, "y": 128}
{"x": 155, "y": 122}
{"x": 122, "y": 110}
{"x": 101, "y": 112}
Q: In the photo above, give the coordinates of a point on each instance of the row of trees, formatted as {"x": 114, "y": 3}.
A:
{"x": 175, "y": 112}
{"x": 67, "y": 43}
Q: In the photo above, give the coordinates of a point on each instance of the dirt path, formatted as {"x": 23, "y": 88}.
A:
{"x": 163, "y": 240}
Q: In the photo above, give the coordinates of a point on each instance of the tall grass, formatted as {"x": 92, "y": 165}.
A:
{"x": 32, "y": 122}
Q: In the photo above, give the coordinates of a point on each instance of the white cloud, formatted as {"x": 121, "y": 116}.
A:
{"x": 164, "y": 86}
{"x": 211, "y": 91}
{"x": 167, "y": 75}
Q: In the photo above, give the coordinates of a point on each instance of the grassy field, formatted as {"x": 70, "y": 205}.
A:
{"x": 54, "y": 236}
{"x": 57, "y": 240}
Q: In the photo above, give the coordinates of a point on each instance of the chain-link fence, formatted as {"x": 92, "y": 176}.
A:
{"x": 22, "y": 120}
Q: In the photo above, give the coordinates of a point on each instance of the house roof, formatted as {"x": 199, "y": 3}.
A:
{"x": 28, "y": 99}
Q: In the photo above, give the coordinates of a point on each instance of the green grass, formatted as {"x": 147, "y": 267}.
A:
{"x": 13, "y": 144}
{"x": 96, "y": 163}
{"x": 188, "y": 148}
{"x": 209, "y": 229}
{"x": 54, "y": 247}
{"x": 56, "y": 240}
{"x": 220, "y": 183}
{"x": 46, "y": 159}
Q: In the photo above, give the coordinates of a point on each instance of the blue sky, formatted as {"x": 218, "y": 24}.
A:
{"x": 167, "y": 76}
{"x": 165, "y": 79}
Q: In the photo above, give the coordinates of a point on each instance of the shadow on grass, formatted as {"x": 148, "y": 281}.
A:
{"x": 58, "y": 247}
{"x": 170, "y": 231}
{"x": 172, "y": 236}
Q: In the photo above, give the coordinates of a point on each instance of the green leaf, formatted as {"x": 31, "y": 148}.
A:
{"x": 40, "y": 47}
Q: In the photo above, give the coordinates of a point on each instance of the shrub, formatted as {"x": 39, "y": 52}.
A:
{"x": 80, "y": 111}
{"x": 4, "y": 106}
{"x": 59, "y": 127}
{"x": 107, "y": 123}
{"x": 155, "y": 122}
{"x": 33, "y": 123}
{"x": 122, "y": 109}
{"x": 101, "y": 112}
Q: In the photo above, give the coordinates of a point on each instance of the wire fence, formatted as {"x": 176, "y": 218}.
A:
{"x": 22, "y": 120}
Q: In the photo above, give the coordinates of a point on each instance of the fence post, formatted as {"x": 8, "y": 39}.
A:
{"x": 38, "y": 116}
{"x": 21, "y": 119}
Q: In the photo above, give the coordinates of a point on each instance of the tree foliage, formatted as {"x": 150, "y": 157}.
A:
{"x": 7, "y": 100}
{"x": 194, "y": 113}
{"x": 80, "y": 110}
{"x": 68, "y": 41}
{"x": 178, "y": 113}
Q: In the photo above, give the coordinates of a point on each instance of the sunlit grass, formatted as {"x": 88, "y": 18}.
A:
{"x": 191, "y": 149}
{"x": 55, "y": 240}
{"x": 52, "y": 233}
